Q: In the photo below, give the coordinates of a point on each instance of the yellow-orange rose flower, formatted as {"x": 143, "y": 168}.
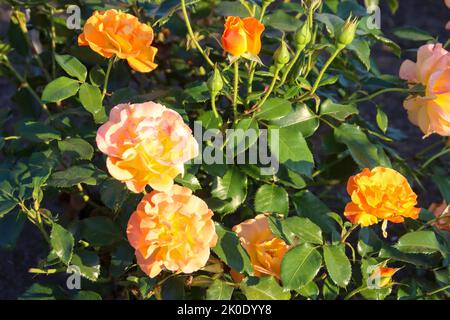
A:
{"x": 432, "y": 69}
{"x": 380, "y": 194}
{"x": 265, "y": 250}
{"x": 171, "y": 230}
{"x": 242, "y": 36}
{"x": 146, "y": 143}
{"x": 442, "y": 214}
{"x": 117, "y": 33}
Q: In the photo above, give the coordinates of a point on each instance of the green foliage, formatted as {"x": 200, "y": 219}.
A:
{"x": 325, "y": 111}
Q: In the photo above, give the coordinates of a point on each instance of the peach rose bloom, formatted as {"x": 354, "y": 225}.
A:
{"x": 265, "y": 250}
{"x": 146, "y": 144}
{"x": 171, "y": 230}
{"x": 242, "y": 36}
{"x": 432, "y": 69}
{"x": 380, "y": 194}
{"x": 113, "y": 32}
{"x": 442, "y": 214}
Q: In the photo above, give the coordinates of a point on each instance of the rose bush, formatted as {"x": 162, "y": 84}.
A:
{"x": 203, "y": 150}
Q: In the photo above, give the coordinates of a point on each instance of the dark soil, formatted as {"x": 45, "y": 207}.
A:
{"x": 431, "y": 15}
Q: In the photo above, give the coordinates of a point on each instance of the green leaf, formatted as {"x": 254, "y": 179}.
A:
{"x": 146, "y": 286}
{"x": 271, "y": 198}
{"x": 232, "y": 188}
{"x": 418, "y": 242}
{"x": 337, "y": 111}
{"x": 76, "y": 148}
{"x": 219, "y": 290}
{"x": 329, "y": 290}
{"x": 6, "y": 205}
{"x": 332, "y": 22}
{"x": 121, "y": 259}
{"x": 73, "y": 176}
{"x": 311, "y": 290}
{"x": 11, "y": 226}
{"x": 113, "y": 194}
{"x": 173, "y": 289}
{"x": 60, "y": 89}
{"x": 382, "y": 120}
{"x": 209, "y": 121}
{"x": 274, "y": 108}
{"x": 230, "y": 250}
{"x": 362, "y": 50}
{"x": 72, "y": 66}
{"x": 443, "y": 183}
{"x": 303, "y": 229}
{"x": 37, "y": 131}
{"x": 97, "y": 76}
{"x": 189, "y": 180}
{"x": 301, "y": 118}
{"x": 338, "y": 265}
{"x": 282, "y": 21}
{"x": 311, "y": 207}
{"x": 231, "y": 8}
{"x": 368, "y": 242}
{"x": 291, "y": 149}
{"x": 88, "y": 263}
{"x": 62, "y": 243}
{"x": 263, "y": 288}
{"x": 299, "y": 266}
{"x": 412, "y": 33}
{"x": 244, "y": 135}
{"x": 87, "y": 295}
{"x": 99, "y": 231}
{"x": 39, "y": 291}
{"x": 92, "y": 101}
{"x": 365, "y": 154}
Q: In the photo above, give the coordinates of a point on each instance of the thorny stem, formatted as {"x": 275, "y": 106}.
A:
{"x": 290, "y": 65}
{"x": 235, "y": 89}
{"x": 108, "y": 72}
{"x": 272, "y": 85}
{"x": 53, "y": 40}
{"x": 191, "y": 34}
{"x": 24, "y": 83}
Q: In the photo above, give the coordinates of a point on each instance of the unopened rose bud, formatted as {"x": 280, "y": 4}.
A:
{"x": 215, "y": 82}
{"x": 347, "y": 32}
{"x": 303, "y": 36}
{"x": 281, "y": 55}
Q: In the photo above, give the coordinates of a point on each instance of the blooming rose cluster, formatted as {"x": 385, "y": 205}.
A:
{"x": 171, "y": 230}
{"x": 115, "y": 33}
{"x": 430, "y": 112}
{"x": 380, "y": 194}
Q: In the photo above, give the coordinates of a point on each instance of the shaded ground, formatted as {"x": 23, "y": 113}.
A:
{"x": 14, "y": 278}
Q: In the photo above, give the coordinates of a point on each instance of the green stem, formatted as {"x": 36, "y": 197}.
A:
{"x": 351, "y": 294}
{"x": 251, "y": 74}
{"x": 24, "y": 83}
{"x": 348, "y": 233}
{"x": 438, "y": 290}
{"x": 108, "y": 72}
{"x": 235, "y": 88}
{"x": 53, "y": 40}
{"x": 269, "y": 91}
{"x": 324, "y": 69}
{"x": 290, "y": 66}
{"x": 377, "y": 93}
{"x": 245, "y": 4}
{"x": 191, "y": 34}
{"x": 440, "y": 154}
{"x": 213, "y": 106}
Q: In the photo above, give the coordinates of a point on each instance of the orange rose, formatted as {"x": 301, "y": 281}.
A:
{"x": 265, "y": 250}
{"x": 242, "y": 36}
{"x": 117, "y": 33}
{"x": 146, "y": 143}
{"x": 380, "y": 194}
{"x": 171, "y": 230}
{"x": 442, "y": 214}
{"x": 432, "y": 111}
